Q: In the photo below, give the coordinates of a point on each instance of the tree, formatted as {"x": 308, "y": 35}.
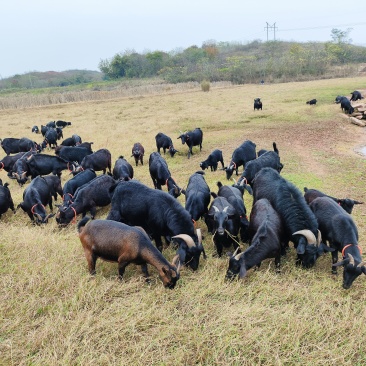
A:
{"x": 341, "y": 37}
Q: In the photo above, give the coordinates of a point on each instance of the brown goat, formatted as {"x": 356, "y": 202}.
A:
{"x": 116, "y": 242}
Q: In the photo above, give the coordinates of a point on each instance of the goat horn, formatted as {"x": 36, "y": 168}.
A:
{"x": 361, "y": 264}
{"x": 310, "y": 237}
{"x": 24, "y": 174}
{"x": 234, "y": 180}
{"x": 319, "y": 238}
{"x": 215, "y": 208}
{"x": 174, "y": 260}
{"x": 189, "y": 241}
{"x": 225, "y": 209}
{"x": 237, "y": 257}
{"x": 351, "y": 259}
{"x": 199, "y": 236}
{"x": 236, "y": 250}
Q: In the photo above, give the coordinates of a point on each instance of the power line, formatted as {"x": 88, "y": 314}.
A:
{"x": 321, "y": 27}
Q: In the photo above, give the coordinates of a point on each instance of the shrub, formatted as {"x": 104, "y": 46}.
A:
{"x": 205, "y": 85}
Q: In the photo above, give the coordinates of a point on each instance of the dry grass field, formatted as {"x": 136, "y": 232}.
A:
{"x": 53, "y": 313}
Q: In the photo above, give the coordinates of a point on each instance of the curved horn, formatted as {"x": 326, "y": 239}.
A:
{"x": 234, "y": 180}
{"x": 199, "y": 236}
{"x": 236, "y": 251}
{"x": 175, "y": 260}
{"x": 319, "y": 238}
{"x": 23, "y": 174}
{"x": 38, "y": 216}
{"x": 237, "y": 257}
{"x": 215, "y": 208}
{"x": 351, "y": 259}
{"x": 225, "y": 209}
{"x": 189, "y": 241}
{"x": 361, "y": 264}
{"x": 310, "y": 237}
{"x": 16, "y": 175}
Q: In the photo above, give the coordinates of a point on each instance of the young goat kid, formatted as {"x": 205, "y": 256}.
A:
{"x": 117, "y": 242}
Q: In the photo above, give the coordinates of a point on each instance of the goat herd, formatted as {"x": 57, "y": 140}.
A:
{"x": 314, "y": 222}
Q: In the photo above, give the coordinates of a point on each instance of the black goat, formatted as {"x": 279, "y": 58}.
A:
{"x": 212, "y": 161}
{"x": 346, "y": 106}
{"x": 160, "y": 215}
{"x": 6, "y": 200}
{"x": 197, "y": 196}
{"x": 165, "y": 142}
{"x": 223, "y": 222}
{"x": 311, "y": 102}
{"x": 35, "y": 197}
{"x": 356, "y": 95}
{"x": 269, "y": 159}
{"x": 241, "y": 155}
{"x": 117, "y": 242}
{"x": 234, "y": 195}
{"x": 99, "y": 160}
{"x": 72, "y": 153}
{"x": 42, "y": 164}
{"x": 160, "y": 174}
{"x": 13, "y": 145}
{"x": 300, "y": 224}
{"x": 346, "y": 203}
{"x": 87, "y": 198}
{"x": 267, "y": 240}
{"x": 122, "y": 169}
{"x": 74, "y": 183}
{"x": 258, "y": 104}
{"x": 138, "y": 153}
{"x": 192, "y": 138}
{"x": 8, "y": 161}
{"x": 339, "y": 229}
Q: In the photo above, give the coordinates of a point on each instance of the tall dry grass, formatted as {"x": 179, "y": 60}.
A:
{"x": 53, "y": 313}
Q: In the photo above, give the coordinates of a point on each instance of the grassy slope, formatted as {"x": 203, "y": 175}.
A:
{"x": 53, "y": 313}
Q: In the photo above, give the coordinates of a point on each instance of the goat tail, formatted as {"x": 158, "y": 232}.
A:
{"x": 275, "y": 148}
{"x": 83, "y": 222}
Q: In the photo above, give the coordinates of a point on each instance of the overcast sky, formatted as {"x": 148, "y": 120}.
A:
{"x": 43, "y": 35}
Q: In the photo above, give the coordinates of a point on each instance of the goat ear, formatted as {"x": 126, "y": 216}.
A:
{"x": 243, "y": 270}
{"x": 323, "y": 248}
{"x": 300, "y": 248}
{"x": 249, "y": 189}
{"x": 341, "y": 263}
{"x": 182, "y": 255}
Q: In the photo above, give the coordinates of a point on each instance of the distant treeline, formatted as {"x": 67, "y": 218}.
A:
{"x": 272, "y": 61}
{"x": 238, "y": 63}
{"x": 35, "y": 80}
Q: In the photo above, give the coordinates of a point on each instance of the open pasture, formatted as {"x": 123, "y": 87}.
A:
{"x": 53, "y": 313}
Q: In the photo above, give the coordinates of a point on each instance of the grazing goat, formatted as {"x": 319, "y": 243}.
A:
{"x": 99, "y": 160}
{"x": 160, "y": 174}
{"x": 192, "y": 138}
{"x": 197, "y": 196}
{"x": 6, "y": 201}
{"x": 300, "y": 224}
{"x": 346, "y": 203}
{"x": 356, "y": 95}
{"x": 267, "y": 240}
{"x": 138, "y": 152}
{"x": 269, "y": 159}
{"x": 159, "y": 214}
{"x": 74, "y": 183}
{"x": 339, "y": 229}
{"x": 35, "y": 197}
{"x": 241, "y": 155}
{"x": 113, "y": 241}
{"x": 122, "y": 169}
{"x": 165, "y": 142}
{"x": 87, "y": 198}
{"x": 212, "y": 161}
{"x": 311, "y": 102}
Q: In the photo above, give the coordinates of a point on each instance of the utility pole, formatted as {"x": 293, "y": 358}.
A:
{"x": 271, "y": 27}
